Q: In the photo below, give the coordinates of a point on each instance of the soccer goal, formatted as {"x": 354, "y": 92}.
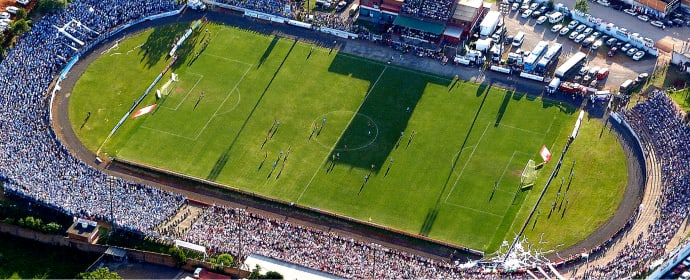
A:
{"x": 529, "y": 175}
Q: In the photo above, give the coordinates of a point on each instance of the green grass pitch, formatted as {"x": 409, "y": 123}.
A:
{"x": 413, "y": 151}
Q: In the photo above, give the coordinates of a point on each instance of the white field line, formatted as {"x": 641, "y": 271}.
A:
{"x": 463, "y": 171}
{"x": 224, "y": 100}
{"x": 341, "y": 134}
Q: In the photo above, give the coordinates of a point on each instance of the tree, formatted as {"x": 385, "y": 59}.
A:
{"x": 21, "y": 14}
{"x": 101, "y": 273}
{"x": 21, "y": 26}
{"x": 549, "y": 5}
{"x": 273, "y": 275}
{"x": 225, "y": 259}
{"x": 51, "y": 6}
{"x": 178, "y": 255}
{"x": 256, "y": 274}
{"x": 581, "y": 5}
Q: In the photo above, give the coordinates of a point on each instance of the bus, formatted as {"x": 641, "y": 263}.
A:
{"x": 549, "y": 58}
{"x": 570, "y": 65}
{"x": 531, "y": 60}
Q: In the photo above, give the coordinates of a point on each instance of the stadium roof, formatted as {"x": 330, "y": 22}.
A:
{"x": 288, "y": 270}
{"x": 467, "y": 9}
{"x": 418, "y": 24}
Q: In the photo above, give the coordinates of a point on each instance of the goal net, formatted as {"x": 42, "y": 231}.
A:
{"x": 529, "y": 175}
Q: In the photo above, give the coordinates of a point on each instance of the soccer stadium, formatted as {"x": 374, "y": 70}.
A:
{"x": 249, "y": 134}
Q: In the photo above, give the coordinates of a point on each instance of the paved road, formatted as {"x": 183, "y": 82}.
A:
{"x": 631, "y": 23}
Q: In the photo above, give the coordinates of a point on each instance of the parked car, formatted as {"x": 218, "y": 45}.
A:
{"x": 580, "y": 28}
{"x": 23, "y": 2}
{"x": 588, "y": 31}
{"x": 657, "y": 23}
{"x": 595, "y": 46}
{"x": 604, "y": 3}
{"x": 524, "y": 7}
{"x": 573, "y": 35}
{"x": 626, "y": 47}
{"x": 630, "y": 12}
{"x": 612, "y": 51}
{"x": 643, "y": 18}
{"x": 4, "y": 15}
{"x": 596, "y": 34}
{"x": 536, "y": 14}
{"x": 638, "y": 55}
{"x": 679, "y": 22}
{"x": 541, "y": 19}
{"x": 579, "y": 38}
{"x": 611, "y": 42}
{"x": 533, "y": 6}
{"x": 12, "y": 9}
{"x": 583, "y": 70}
{"x": 588, "y": 42}
{"x": 515, "y": 6}
{"x": 631, "y": 52}
{"x": 603, "y": 73}
{"x": 564, "y": 31}
{"x": 526, "y": 13}
{"x": 573, "y": 24}
{"x": 543, "y": 9}
{"x": 556, "y": 27}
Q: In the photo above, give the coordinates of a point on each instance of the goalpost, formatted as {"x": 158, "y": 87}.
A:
{"x": 529, "y": 175}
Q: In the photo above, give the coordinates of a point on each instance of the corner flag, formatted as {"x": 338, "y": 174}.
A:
{"x": 545, "y": 154}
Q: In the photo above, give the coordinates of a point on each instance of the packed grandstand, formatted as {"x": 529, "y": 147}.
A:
{"x": 36, "y": 165}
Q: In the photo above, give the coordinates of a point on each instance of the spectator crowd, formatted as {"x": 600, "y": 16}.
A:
{"x": 437, "y": 10}
{"x": 659, "y": 122}
{"x": 34, "y": 164}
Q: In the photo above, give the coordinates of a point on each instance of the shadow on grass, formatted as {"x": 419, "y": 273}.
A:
{"x": 504, "y": 105}
{"x": 158, "y": 44}
{"x": 268, "y": 51}
{"x": 433, "y": 212}
{"x": 385, "y": 112}
{"x": 223, "y": 159}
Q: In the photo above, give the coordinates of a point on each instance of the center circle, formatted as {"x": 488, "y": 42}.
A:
{"x": 344, "y": 130}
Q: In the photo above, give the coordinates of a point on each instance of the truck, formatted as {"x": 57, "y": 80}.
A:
{"x": 549, "y": 58}
{"x": 483, "y": 45}
{"x": 570, "y": 65}
{"x": 535, "y": 55}
{"x": 489, "y": 24}
{"x": 572, "y": 88}
{"x": 552, "y": 87}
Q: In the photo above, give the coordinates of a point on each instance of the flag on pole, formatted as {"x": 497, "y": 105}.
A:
{"x": 144, "y": 110}
{"x": 545, "y": 153}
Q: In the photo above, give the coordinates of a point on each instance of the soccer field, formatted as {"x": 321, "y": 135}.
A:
{"x": 305, "y": 124}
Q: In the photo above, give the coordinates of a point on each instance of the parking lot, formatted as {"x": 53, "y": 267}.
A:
{"x": 621, "y": 66}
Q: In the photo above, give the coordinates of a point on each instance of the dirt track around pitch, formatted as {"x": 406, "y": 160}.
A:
{"x": 196, "y": 191}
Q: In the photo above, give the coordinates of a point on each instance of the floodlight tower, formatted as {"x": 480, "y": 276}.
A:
{"x": 546, "y": 186}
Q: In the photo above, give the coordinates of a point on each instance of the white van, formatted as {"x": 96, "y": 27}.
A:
{"x": 517, "y": 40}
{"x": 197, "y": 272}
{"x": 556, "y": 17}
